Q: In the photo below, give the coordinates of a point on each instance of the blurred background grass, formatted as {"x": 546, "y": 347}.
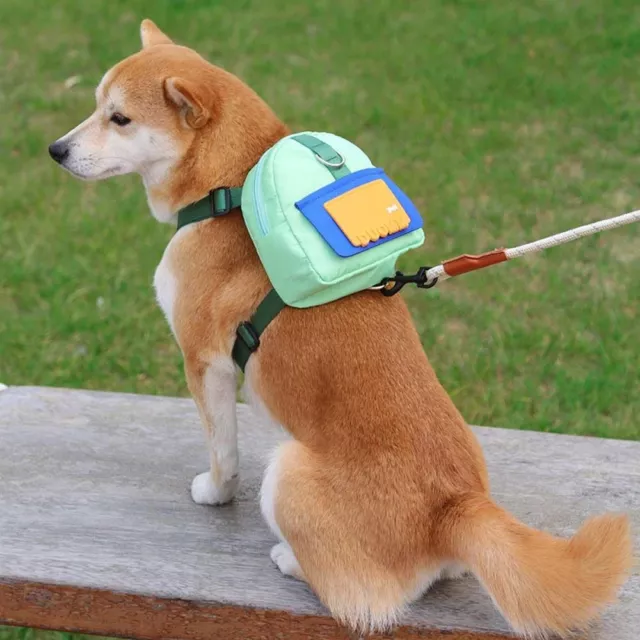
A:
{"x": 504, "y": 122}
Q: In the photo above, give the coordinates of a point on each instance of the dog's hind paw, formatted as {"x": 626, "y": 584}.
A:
{"x": 284, "y": 558}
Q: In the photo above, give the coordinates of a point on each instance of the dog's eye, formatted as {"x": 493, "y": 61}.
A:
{"x": 120, "y": 120}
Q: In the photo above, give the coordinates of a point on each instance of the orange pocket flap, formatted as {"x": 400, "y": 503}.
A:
{"x": 367, "y": 213}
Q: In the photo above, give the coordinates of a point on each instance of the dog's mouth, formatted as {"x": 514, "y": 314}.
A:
{"x": 87, "y": 169}
{"x": 90, "y": 176}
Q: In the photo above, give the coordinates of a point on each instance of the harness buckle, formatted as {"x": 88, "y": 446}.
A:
{"x": 400, "y": 279}
{"x": 214, "y": 196}
{"x": 248, "y": 334}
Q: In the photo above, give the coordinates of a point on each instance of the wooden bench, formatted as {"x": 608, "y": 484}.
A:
{"x": 98, "y": 533}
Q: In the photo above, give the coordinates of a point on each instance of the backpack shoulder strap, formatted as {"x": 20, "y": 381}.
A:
{"x": 248, "y": 333}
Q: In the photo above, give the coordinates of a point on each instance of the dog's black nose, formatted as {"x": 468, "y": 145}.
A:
{"x": 59, "y": 151}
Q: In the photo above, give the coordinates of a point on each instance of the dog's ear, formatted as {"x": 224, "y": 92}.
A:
{"x": 151, "y": 35}
{"x": 186, "y": 96}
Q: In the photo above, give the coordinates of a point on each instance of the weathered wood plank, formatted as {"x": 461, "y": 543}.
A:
{"x": 132, "y": 616}
{"x": 95, "y": 516}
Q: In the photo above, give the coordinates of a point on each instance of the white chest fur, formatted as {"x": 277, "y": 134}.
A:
{"x": 166, "y": 284}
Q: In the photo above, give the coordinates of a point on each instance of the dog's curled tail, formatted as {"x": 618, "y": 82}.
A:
{"x": 540, "y": 583}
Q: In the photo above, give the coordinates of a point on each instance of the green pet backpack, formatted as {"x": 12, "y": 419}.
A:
{"x": 325, "y": 222}
{"x": 307, "y": 256}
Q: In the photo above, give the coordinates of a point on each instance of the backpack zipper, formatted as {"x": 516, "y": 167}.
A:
{"x": 261, "y": 216}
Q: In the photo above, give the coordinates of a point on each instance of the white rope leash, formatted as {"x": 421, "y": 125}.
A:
{"x": 441, "y": 272}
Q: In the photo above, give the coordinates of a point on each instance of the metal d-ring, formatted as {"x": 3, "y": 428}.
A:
{"x": 333, "y": 165}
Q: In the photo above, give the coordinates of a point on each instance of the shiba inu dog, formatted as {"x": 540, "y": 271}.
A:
{"x": 383, "y": 488}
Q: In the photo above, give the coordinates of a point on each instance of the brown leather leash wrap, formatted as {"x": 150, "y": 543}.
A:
{"x": 467, "y": 263}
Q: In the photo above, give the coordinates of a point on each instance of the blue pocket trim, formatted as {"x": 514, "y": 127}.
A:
{"x": 312, "y": 208}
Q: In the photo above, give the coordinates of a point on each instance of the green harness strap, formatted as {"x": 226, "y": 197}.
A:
{"x": 216, "y": 203}
{"x": 248, "y": 333}
{"x": 219, "y": 202}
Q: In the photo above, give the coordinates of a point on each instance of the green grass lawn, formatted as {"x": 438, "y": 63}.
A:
{"x": 504, "y": 122}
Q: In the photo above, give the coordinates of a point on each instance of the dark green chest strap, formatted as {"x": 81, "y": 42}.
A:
{"x": 218, "y": 202}
{"x": 248, "y": 333}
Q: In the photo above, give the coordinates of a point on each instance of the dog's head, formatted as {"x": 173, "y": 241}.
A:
{"x": 161, "y": 111}
{"x": 147, "y": 108}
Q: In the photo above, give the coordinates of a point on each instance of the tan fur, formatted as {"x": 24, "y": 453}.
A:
{"x": 384, "y": 484}
{"x": 540, "y": 583}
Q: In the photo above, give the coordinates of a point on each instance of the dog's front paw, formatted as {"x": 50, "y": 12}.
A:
{"x": 204, "y": 491}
